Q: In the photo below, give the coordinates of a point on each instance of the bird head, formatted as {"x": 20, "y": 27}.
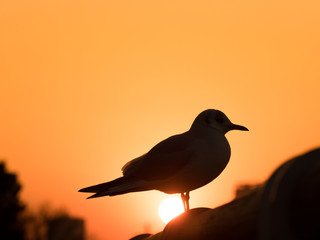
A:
{"x": 217, "y": 120}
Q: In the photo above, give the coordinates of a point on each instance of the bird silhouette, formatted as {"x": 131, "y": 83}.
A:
{"x": 178, "y": 164}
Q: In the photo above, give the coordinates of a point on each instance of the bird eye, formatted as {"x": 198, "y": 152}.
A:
{"x": 219, "y": 118}
{"x": 207, "y": 119}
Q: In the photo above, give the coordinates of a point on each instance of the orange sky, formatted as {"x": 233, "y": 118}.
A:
{"x": 88, "y": 85}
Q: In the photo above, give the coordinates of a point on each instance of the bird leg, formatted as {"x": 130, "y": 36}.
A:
{"x": 185, "y": 199}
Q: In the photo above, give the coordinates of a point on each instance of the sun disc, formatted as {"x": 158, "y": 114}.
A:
{"x": 170, "y": 208}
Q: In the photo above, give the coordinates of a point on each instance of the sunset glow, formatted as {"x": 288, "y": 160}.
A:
{"x": 87, "y": 86}
{"x": 170, "y": 208}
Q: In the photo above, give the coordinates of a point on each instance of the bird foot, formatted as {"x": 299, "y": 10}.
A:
{"x": 185, "y": 199}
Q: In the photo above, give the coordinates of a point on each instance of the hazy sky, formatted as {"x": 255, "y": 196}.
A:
{"x": 88, "y": 85}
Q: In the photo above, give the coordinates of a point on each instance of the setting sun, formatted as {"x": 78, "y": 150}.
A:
{"x": 170, "y": 208}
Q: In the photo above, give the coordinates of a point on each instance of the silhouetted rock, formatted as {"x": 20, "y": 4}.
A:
{"x": 290, "y": 204}
{"x": 141, "y": 236}
{"x": 285, "y": 207}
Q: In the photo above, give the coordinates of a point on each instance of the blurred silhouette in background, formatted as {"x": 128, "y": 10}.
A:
{"x": 17, "y": 222}
{"x": 48, "y": 224}
{"x": 11, "y": 225}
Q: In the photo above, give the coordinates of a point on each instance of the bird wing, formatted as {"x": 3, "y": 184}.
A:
{"x": 163, "y": 160}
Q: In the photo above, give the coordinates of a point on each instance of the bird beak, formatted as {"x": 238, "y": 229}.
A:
{"x": 238, "y": 127}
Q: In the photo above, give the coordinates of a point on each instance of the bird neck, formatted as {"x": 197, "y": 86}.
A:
{"x": 201, "y": 131}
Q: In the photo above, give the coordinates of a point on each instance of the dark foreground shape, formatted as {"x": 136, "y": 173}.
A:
{"x": 290, "y": 207}
{"x": 285, "y": 207}
{"x": 141, "y": 236}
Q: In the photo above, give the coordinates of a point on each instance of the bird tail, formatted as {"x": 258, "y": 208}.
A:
{"x": 116, "y": 187}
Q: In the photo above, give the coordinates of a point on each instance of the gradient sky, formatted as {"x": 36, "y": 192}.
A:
{"x": 88, "y": 85}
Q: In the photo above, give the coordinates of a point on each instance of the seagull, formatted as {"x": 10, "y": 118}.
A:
{"x": 178, "y": 164}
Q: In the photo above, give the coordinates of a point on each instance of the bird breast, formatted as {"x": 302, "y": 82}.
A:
{"x": 209, "y": 158}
